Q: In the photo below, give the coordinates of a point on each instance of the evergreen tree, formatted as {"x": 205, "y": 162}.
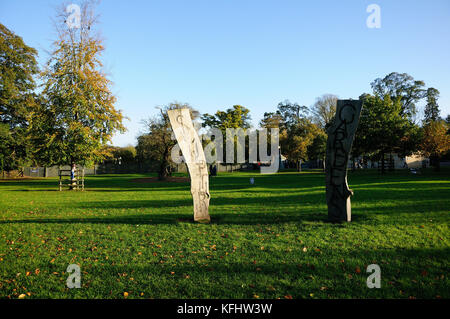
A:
{"x": 431, "y": 112}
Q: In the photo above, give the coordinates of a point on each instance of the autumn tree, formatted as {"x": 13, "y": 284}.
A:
{"x": 156, "y": 144}
{"x": 78, "y": 116}
{"x": 298, "y": 140}
{"x": 297, "y": 131}
{"x": 436, "y": 141}
{"x": 18, "y": 68}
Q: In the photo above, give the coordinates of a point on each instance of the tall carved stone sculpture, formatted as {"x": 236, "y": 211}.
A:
{"x": 339, "y": 143}
{"x": 192, "y": 150}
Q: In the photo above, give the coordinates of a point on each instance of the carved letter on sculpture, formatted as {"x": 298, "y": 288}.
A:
{"x": 192, "y": 150}
{"x": 339, "y": 143}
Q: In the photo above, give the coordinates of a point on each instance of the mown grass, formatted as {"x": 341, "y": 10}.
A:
{"x": 268, "y": 240}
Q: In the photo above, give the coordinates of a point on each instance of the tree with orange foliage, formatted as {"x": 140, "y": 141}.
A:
{"x": 77, "y": 116}
{"x": 436, "y": 141}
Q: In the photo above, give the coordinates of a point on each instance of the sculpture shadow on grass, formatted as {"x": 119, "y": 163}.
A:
{"x": 155, "y": 219}
{"x": 390, "y": 215}
{"x": 294, "y": 181}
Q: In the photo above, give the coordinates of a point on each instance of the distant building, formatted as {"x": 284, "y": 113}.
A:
{"x": 395, "y": 161}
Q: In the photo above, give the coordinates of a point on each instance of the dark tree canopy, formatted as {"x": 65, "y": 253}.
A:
{"x": 235, "y": 117}
{"x": 384, "y": 128}
{"x": 431, "y": 112}
{"x": 156, "y": 144}
{"x": 18, "y": 68}
{"x": 402, "y": 86}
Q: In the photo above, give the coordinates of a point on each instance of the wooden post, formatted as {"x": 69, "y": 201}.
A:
{"x": 82, "y": 181}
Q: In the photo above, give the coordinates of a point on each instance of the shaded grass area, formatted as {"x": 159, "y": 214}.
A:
{"x": 268, "y": 240}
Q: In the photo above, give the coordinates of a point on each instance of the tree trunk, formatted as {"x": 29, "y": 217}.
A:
{"x": 162, "y": 174}
{"x": 299, "y": 165}
{"x": 437, "y": 163}
{"x": 382, "y": 163}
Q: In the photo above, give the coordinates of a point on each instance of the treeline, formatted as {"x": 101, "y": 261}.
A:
{"x": 388, "y": 124}
{"x": 70, "y": 117}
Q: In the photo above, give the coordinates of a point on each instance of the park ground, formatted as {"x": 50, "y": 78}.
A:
{"x": 267, "y": 240}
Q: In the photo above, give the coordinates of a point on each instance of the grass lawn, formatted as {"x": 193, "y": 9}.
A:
{"x": 268, "y": 240}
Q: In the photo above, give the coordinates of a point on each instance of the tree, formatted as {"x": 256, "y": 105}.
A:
{"x": 400, "y": 86}
{"x": 431, "y": 112}
{"x": 297, "y": 132}
{"x": 236, "y": 117}
{"x": 383, "y": 129}
{"x": 78, "y": 116}
{"x": 324, "y": 109}
{"x": 272, "y": 120}
{"x": 291, "y": 113}
{"x": 156, "y": 144}
{"x": 232, "y": 118}
{"x": 123, "y": 155}
{"x": 297, "y": 140}
{"x": 317, "y": 149}
{"x": 18, "y": 68}
{"x": 436, "y": 141}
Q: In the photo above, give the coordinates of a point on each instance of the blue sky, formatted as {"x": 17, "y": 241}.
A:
{"x": 213, "y": 54}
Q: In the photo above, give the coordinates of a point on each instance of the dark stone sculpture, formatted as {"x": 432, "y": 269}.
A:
{"x": 339, "y": 143}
